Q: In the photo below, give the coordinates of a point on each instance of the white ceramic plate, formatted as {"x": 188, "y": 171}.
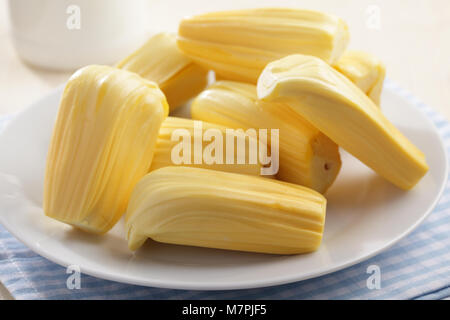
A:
{"x": 365, "y": 216}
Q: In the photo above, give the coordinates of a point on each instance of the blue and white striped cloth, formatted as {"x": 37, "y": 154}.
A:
{"x": 418, "y": 267}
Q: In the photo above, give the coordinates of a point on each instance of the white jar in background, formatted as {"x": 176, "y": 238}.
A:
{"x": 68, "y": 34}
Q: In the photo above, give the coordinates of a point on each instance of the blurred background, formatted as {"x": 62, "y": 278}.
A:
{"x": 410, "y": 36}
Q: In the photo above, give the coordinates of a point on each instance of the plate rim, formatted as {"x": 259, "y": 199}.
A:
{"x": 211, "y": 286}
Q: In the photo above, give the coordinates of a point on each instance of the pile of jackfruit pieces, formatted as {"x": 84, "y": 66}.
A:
{"x": 111, "y": 152}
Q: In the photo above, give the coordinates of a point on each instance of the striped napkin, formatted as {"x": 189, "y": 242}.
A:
{"x": 417, "y": 267}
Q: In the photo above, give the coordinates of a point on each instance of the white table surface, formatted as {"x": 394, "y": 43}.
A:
{"x": 413, "y": 41}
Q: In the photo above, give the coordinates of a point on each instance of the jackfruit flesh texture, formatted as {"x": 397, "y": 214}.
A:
{"x": 333, "y": 104}
{"x": 102, "y": 144}
{"x": 306, "y": 156}
{"x": 365, "y": 70}
{"x": 214, "y": 209}
{"x": 160, "y": 60}
{"x": 237, "y": 45}
{"x": 197, "y": 143}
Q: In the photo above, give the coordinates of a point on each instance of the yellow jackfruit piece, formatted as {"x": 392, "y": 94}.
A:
{"x": 306, "y": 156}
{"x": 214, "y": 209}
{"x": 365, "y": 70}
{"x": 238, "y": 44}
{"x": 337, "y": 107}
{"x": 160, "y": 60}
{"x": 102, "y": 144}
{"x": 178, "y": 136}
